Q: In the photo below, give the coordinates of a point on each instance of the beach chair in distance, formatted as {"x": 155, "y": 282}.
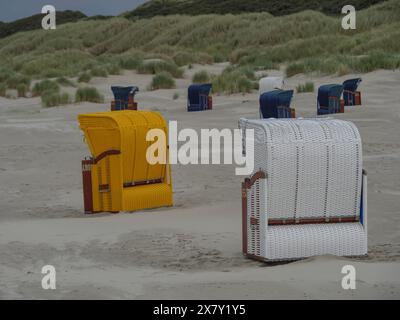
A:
{"x": 308, "y": 193}
{"x": 199, "y": 98}
{"x": 267, "y": 84}
{"x": 329, "y": 99}
{"x": 124, "y": 98}
{"x": 351, "y": 96}
{"x": 276, "y": 104}
{"x": 117, "y": 176}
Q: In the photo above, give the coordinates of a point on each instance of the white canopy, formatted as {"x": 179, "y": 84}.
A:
{"x": 270, "y": 83}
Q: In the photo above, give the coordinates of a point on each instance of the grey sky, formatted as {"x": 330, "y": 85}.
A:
{"x": 14, "y": 9}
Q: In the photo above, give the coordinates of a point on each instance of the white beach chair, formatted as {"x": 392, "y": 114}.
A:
{"x": 267, "y": 84}
{"x": 308, "y": 193}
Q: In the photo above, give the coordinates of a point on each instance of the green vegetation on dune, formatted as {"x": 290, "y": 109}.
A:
{"x": 157, "y": 66}
{"x": 45, "y": 85}
{"x": 306, "y": 87}
{"x": 89, "y": 94}
{"x": 35, "y": 22}
{"x": 303, "y": 42}
{"x": 63, "y": 81}
{"x": 275, "y": 7}
{"x": 201, "y": 77}
{"x": 85, "y": 77}
{"x": 54, "y": 99}
{"x": 162, "y": 80}
{"x": 3, "y": 89}
{"x": 232, "y": 80}
{"x": 99, "y": 72}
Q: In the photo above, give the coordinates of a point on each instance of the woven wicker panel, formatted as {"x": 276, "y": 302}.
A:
{"x": 299, "y": 241}
{"x": 254, "y": 213}
{"x": 147, "y": 196}
{"x": 314, "y": 166}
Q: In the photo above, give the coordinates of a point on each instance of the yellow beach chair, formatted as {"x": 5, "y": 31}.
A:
{"x": 118, "y": 176}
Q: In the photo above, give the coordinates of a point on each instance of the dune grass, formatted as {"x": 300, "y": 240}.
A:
{"x": 99, "y": 72}
{"x": 3, "y": 89}
{"x": 276, "y": 7}
{"x": 63, "y": 81}
{"x": 22, "y": 89}
{"x": 89, "y": 94}
{"x": 15, "y": 80}
{"x": 45, "y": 86}
{"x": 235, "y": 80}
{"x": 157, "y": 66}
{"x": 113, "y": 69}
{"x": 306, "y": 87}
{"x": 128, "y": 62}
{"x": 201, "y": 77}
{"x": 52, "y": 98}
{"x": 162, "y": 80}
{"x": 304, "y": 42}
{"x": 6, "y": 73}
{"x": 85, "y": 77}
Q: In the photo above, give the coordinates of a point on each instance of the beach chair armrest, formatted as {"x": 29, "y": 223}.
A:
{"x": 246, "y": 185}
{"x": 106, "y": 154}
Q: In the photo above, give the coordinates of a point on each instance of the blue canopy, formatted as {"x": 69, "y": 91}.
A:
{"x": 196, "y": 96}
{"x": 122, "y": 93}
{"x": 329, "y": 90}
{"x": 349, "y": 93}
{"x": 271, "y": 103}
{"x": 121, "y": 96}
{"x": 352, "y": 84}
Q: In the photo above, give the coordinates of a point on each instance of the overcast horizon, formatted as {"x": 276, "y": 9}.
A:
{"x": 17, "y": 9}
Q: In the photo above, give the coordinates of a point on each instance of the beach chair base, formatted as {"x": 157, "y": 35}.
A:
{"x": 210, "y": 103}
{"x": 335, "y": 106}
{"x": 288, "y": 240}
{"x": 118, "y": 105}
{"x": 341, "y": 109}
{"x": 135, "y": 196}
{"x": 352, "y": 98}
{"x": 357, "y": 98}
{"x": 195, "y": 108}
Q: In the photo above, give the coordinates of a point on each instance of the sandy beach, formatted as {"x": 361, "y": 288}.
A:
{"x": 193, "y": 249}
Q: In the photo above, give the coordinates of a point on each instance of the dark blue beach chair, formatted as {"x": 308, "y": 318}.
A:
{"x": 276, "y": 104}
{"x": 351, "y": 96}
{"x": 124, "y": 98}
{"x": 199, "y": 98}
{"x": 329, "y": 99}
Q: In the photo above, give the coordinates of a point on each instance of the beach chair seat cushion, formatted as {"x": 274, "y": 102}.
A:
{"x": 299, "y": 241}
{"x": 147, "y": 196}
